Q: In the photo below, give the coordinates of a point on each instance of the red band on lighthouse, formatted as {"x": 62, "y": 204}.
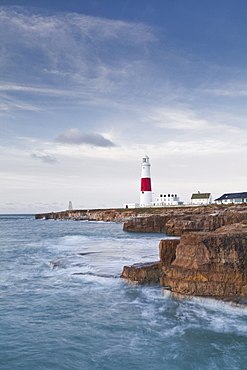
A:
{"x": 146, "y": 184}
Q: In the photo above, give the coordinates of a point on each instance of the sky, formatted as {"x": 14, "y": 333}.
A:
{"x": 87, "y": 88}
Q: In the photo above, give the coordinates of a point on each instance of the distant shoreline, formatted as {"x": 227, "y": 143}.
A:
{"x": 133, "y": 219}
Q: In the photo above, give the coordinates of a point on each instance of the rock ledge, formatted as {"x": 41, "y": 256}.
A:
{"x": 200, "y": 263}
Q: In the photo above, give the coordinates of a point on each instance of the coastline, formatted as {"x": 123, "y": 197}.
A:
{"x": 208, "y": 260}
{"x": 169, "y": 220}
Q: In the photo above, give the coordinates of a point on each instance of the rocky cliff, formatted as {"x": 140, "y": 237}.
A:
{"x": 200, "y": 263}
{"x": 112, "y": 215}
{"x": 179, "y": 221}
{"x": 209, "y": 263}
{"x": 172, "y": 221}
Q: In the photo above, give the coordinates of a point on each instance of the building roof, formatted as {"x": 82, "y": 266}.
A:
{"x": 233, "y": 196}
{"x": 200, "y": 196}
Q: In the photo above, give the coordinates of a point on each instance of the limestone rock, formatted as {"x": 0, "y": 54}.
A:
{"x": 210, "y": 263}
{"x": 143, "y": 273}
{"x": 200, "y": 263}
{"x": 172, "y": 221}
{"x": 179, "y": 221}
{"x": 167, "y": 250}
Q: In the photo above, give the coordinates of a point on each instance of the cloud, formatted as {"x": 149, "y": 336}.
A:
{"x": 227, "y": 92}
{"x": 178, "y": 119}
{"x": 67, "y": 44}
{"x": 44, "y": 158}
{"x": 77, "y": 25}
{"x": 75, "y": 136}
{"x": 85, "y": 59}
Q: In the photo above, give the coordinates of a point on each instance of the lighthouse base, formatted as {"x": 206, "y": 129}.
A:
{"x": 146, "y": 199}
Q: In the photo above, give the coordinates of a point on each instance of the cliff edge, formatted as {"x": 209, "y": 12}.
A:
{"x": 200, "y": 263}
{"x": 179, "y": 221}
{"x": 170, "y": 220}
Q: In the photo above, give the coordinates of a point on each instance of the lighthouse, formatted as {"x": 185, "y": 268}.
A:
{"x": 146, "y": 190}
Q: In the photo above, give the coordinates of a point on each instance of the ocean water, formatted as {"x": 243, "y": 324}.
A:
{"x": 63, "y": 305}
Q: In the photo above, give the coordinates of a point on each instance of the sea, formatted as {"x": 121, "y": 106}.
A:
{"x": 64, "y": 306}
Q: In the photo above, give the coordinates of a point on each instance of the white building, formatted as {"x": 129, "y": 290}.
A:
{"x": 201, "y": 198}
{"x": 169, "y": 199}
{"x": 232, "y": 198}
{"x": 131, "y": 205}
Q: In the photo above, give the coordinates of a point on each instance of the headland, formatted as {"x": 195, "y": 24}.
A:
{"x": 168, "y": 220}
{"x": 208, "y": 258}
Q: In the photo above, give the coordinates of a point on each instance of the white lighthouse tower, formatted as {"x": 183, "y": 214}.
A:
{"x": 146, "y": 190}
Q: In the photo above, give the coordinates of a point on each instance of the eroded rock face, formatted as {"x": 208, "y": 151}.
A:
{"x": 200, "y": 263}
{"x": 210, "y": 263}
{"x": 112, "y": 215}
{"x": 172, "y": 221}
{"x": 143, "y": 273}
{"x": 177, "y": 222}
{"x": 167, "y": 250}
